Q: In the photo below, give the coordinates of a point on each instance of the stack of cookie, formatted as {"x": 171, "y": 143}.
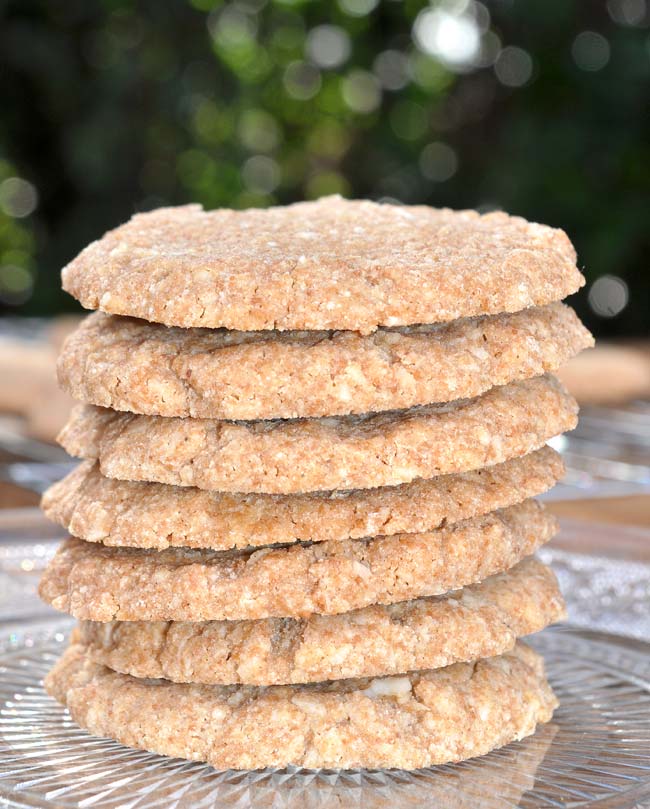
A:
{"x": 303, "y": 528}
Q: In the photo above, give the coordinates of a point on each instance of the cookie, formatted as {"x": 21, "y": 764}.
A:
{"x": 154, "y": 515}
{"x": 343, "y": 452}
{"x": 481, "y": 620}
{"x": 98, "y": 583}
{"x": 140, "y": 367}
{"x": 409, "y": 721}
{"x": 329, "y": 264}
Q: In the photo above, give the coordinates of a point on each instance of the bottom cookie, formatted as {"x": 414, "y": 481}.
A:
{"x": 411, "y": 721}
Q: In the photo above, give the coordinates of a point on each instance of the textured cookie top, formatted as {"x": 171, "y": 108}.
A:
{"x": 133, "y": 365}
{"x": 415, "y": 720}
{"x": 330, "y": 264}
{"x": 342, "y": 452}
{"x": 97, "y": 583}
{"x": 478, "y": 621}
{"x": 154, "y": 515}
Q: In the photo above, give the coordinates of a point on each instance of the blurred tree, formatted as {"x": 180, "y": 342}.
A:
{"x": 537, "y": 108}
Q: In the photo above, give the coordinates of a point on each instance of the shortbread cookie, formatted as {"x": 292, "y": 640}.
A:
{"x": 154, "y": 515}
{"x": 144, "y": 368}
{"x": 97, "y": 583}
{"x": 478, "y": 621}
{"x": 343, "y": 452}
{"x": 330, "y": 264}
{"x": 410, "y": 721}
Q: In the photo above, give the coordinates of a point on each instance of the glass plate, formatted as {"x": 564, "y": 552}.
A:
{"x": 595, "y": 753}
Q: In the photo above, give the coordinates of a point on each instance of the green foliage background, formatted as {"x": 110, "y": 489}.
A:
{"x": 110, "y": 106}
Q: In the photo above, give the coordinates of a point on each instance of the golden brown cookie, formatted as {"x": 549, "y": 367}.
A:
{"x": 91, "y": 581}
{"x": 329, "y": 264}
{"x": 342, "y": 452}
{"x": 409, "y": 721}
{"x": 481, "y": 620}
{"x": 154, "y": 515}
{"x": 140, "y": 367}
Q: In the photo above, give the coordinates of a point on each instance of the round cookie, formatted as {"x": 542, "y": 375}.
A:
{"x": 153, "y": 515}
{"x": 140, "y": 367}
{"x": 91, "y": 581}
{"x": 481, "y": 620}
{"x": 329, "y": 264}
{"x": 342, "y": 452}
{"x": 411, "y": 721}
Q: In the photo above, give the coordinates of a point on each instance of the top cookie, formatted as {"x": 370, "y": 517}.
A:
{"x": 329, "y": 264}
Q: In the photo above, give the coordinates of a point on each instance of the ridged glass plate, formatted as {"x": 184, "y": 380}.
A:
{"x": 595, "y": 753}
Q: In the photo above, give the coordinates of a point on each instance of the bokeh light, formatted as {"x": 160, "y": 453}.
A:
{"x": 361, "y": 91}
{"x": 18, "y": 198}
{"x": 261, "y": 174}
{"x": 392, "y": 69}
{"x": 358, "y": 8}
{"x": 328, "y": 46}
{"x": 15, "y": 284}
{"x": 608, "y": 295}
{"x": 232, "y": 27}
{"x": 438, "y": 162}
{"x": 302, "y": 81}
{"x": 627, "y": 12}
{"x": 490, "y": 49}
{"x": 513, "y": 66}
{"x": 449, "y": 32}
{"x": 590, "y": 51}
{"x": 258, "y": 130}
{"x": 409, "y": 121}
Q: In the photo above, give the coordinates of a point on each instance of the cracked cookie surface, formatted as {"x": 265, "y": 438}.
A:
{"x": 135, "y": 366}
{"x": 416, "y": 720}
{"x": 480, "y": 620}
{"x": 155, "y": 515}
{"x": 340, "y": 452}
{"x": 328, "y": 264}
{"x": 98, "y": 583}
